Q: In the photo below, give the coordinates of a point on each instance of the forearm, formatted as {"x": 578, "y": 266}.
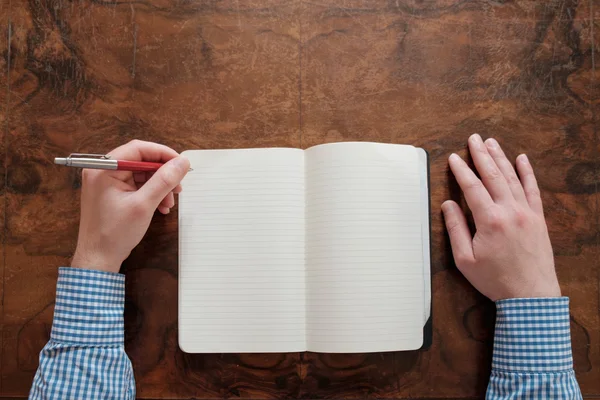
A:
{"x": 532, "y": 351}
{"x": 85, "y": 357}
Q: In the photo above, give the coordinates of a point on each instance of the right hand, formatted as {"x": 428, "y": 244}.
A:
{"x": 510, "y": 255}
{"x": 117, "y": 206}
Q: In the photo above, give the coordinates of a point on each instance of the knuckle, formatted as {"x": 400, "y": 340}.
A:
{"x": 513, "y": 180}
{"x": 85, "y": 174}
{"x": 521, "y": 217}
{"x": 139, "y": 207}
{"x": 461, "y": 259}
{"x": 474, "y": 184}
{"x": 527, "y": 171}
{"x": 137, "y": 143}
{"x": 167, "y": 178}
{"x": 482, "y": 150}
{"x": 89, "y": 175}
{"x": 493, "y": 174}
{"x": 495, "y": 218}
{"x": 533, "y": 192}
{"x": 495, "y": 222}
{"x": 452, "y": 227}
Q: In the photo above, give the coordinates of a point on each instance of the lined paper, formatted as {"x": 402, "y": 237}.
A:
{"x": 286, "y": 250}
{"x": 241, "y": 255}
{"x": 364, "y": 252}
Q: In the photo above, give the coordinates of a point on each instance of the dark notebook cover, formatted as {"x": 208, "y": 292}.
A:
{"x": 428, "y": 328}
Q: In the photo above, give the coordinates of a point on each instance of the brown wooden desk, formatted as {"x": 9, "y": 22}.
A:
{"x": 89, "y": 75}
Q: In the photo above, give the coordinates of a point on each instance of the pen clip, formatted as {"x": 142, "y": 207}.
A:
{"x": 84, "y": 155}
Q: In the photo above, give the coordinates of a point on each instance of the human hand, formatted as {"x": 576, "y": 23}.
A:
{"x": 117, "y": 206}
{"x": 510, "y": 255}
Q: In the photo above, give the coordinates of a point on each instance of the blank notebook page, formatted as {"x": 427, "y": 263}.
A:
{"x": 241, "y": 266}
{"x": 364, "y": 257}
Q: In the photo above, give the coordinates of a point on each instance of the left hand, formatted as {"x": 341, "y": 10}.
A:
{"x": 117, "y": 206}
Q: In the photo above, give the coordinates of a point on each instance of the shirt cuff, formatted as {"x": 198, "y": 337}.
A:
{"x": 532, "y": 335}
{"x": 89, "y": 307}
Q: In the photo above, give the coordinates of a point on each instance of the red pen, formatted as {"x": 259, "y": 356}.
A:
{"x": 103, "y": 161}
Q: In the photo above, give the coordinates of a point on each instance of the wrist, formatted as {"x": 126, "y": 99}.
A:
{"x": 550, "y": 290}
{"x": 95, "y": 261}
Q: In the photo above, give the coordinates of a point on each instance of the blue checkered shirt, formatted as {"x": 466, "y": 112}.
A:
{"x": 532, "y": 351}
{"x": 85, "y": 357}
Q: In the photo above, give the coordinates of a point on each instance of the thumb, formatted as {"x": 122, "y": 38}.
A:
{"x": 164, "y": 180}
{"x": 460, "y": 235}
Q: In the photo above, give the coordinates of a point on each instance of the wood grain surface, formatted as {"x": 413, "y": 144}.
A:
{"x": 89, "y": 75}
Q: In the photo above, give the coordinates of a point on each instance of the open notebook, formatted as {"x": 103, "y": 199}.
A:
{"x": 324, "y": 249}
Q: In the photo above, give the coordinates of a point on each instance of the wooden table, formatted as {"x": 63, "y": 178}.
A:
{"x": 89, "y": 75}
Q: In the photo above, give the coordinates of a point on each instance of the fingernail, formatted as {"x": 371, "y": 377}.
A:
{"x": 475, "y": 142}
{"x": 445, "y": 206}
{"x": 182, "y": 162}
{"x": 524, "y": 159}
{"x": 491, "y": 142}
{"x": 454, "y": 157}
{"x": 476, "y": 138}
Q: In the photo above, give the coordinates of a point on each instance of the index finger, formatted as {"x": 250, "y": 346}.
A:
{"x": 477, "y": 196}
{"x": 139, "y": 150}
{"x": 492, "y": 177}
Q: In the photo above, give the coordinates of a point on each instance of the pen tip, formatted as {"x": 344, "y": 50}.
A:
{"x": 60, "y": 161}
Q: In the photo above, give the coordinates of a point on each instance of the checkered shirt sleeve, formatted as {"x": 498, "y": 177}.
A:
{"x": 532, "y": 351}
{"x": 85, "y": 357}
